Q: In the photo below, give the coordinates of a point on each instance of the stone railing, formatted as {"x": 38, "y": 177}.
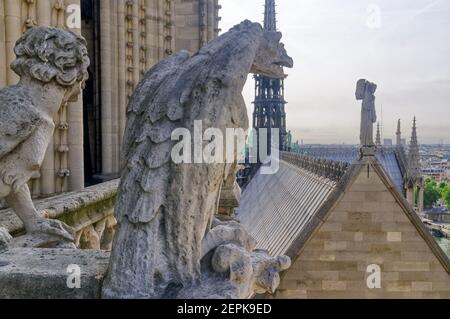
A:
{"x": 88, "y": 211}
{"x": 340, "y": 154}
{"x": 332, "y": 170}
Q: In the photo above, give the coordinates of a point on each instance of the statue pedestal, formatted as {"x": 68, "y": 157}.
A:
{"x": 44, "y": 274}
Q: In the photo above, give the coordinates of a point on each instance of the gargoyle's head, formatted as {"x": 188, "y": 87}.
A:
{"x": 48, "y": 54}
{"x": 271, "y": 56}
{"x": 267, "y": 271}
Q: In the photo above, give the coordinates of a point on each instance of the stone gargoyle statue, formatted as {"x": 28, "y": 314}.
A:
{"x": 166, "y": 245}
{"x": 52, "y": 65}
{"x": 365, "y": 91}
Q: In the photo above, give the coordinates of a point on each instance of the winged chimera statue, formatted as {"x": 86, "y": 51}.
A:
{"x": 52, "y": 65}
{"x": 168, "y": 244}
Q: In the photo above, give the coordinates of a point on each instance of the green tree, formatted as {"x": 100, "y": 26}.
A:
{"x": 442, "y": 186}
{"x": 431, "y": 193}
{"x": 446, "y": 195}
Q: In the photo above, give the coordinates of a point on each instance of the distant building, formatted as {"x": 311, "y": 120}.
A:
{"x": 437, "y": 169}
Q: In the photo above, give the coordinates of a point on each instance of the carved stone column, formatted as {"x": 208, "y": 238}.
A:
{"x": 135, "y": 41}
{"x": 13, "y": 31}
{"x": 115, "y": 141}
{"x": 122, "y": 89}
{"x": 107, "y": 237}
{"x": 75, "y": 135}
{"x": 211, "y": 19}
{"x": 89, "y": 238}
{"x": 105, "y": 43}
{"x": 152, "y": 32}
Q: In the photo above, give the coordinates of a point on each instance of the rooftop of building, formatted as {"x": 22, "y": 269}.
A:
{"x": 282, "y": 210}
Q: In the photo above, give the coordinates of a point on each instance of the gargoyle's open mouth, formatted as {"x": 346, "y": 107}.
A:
{"x": 275, "y": 70}
{"x": 287, "y": 62}
{"x": 272, "y": 64}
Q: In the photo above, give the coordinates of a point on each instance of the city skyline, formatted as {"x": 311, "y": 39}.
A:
{"x": 396, "y": 45}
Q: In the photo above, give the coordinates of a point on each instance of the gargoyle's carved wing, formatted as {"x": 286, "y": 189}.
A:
{"x": 17, "y": 123}
{"x": 147, "y": 144}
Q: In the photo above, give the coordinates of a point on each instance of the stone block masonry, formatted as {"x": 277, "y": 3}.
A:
{"x": 367, "y": 225}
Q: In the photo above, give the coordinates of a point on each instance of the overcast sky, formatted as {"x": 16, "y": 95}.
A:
{"x": 402, "y": 45}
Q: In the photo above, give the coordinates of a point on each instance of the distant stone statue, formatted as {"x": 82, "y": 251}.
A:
{"x": 166, "y": 245}
{"x": 52, "y": 65}
{"x": 365, "y": 91}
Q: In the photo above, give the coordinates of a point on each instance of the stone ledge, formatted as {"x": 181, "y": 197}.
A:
{"x": 65, "y": 205}
{"x": 42, "y": 273}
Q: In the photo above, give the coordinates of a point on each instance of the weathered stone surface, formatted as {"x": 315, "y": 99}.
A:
{"x": 334, "y": 258}
{"x": 365, "y": 91}
{"x": 52, "y": 65}
{"x": 41, "y": 241}
{"x": 78, "y": 209}
{"x": 232, "y": 268}
{"x": 164, "y": 209}
{"x": 5, "y": 239}
{"x": 43, "y": 273}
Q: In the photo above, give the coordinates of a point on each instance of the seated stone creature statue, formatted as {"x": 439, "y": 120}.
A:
{"x": 52, "y": 65}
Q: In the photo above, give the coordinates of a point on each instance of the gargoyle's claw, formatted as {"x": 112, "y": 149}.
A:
{"x": 55, "y": 228}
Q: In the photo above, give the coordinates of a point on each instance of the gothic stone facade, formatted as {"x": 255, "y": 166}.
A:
{"x": 125, "y": 38}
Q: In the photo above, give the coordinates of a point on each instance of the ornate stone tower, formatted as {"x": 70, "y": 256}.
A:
{"x": 399, "y": 134}
{"x": 414, "y": 179}
{"x": 378, "y": 139}
{"x": 269, "y": 102}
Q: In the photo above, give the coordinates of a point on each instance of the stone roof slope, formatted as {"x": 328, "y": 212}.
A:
{"x": 282, "y": 211}
{"x": 276, "y": 208}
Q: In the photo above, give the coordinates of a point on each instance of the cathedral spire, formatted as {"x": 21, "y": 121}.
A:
{"x": 270, "y": 16}
{"x": 399, "y": 134}
{"x": 378, "y": 139}
{"x": 414, "y": 141}
{"x": 414, "y": 156}
{"x": 269, "y": 112}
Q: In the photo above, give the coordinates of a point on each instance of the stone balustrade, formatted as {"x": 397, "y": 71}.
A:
{"x": 332, "y": 170}
{"x": 88, "y": 211}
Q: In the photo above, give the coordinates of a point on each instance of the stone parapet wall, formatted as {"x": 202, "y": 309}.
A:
{"x": 89, "y": 212}
{"x": 330, "y": 169}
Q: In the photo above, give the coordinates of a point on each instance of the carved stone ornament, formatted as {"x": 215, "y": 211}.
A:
{"x": 165, "y": 245}
{"x": 52, "y": 65}
{"x": 365, "y": 91}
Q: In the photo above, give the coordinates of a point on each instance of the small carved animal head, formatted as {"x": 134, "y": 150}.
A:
{"x": 271, "y": 56}
{"x": 49, "y": 54}
{"x": 267, "y": 271}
